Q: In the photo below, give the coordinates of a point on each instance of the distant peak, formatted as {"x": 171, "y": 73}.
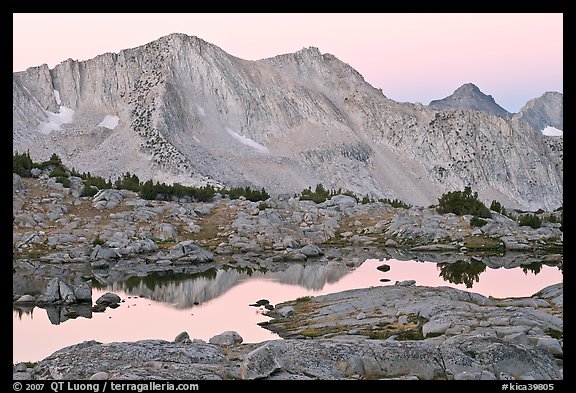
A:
{"x": 177, "y": 35}
{"x": 471, "y": 87}
{"x": 469, "y": 96}
{"x": 311, "y": 50}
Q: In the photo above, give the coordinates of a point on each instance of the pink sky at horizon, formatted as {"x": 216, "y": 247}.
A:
{"x": 411, "y": 57}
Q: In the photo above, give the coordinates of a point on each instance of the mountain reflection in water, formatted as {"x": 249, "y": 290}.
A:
{"x": 224, "y": 296}
{"x": 184, "y": 292}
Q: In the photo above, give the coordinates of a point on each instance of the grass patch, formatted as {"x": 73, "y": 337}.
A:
{"x": 483, "y": 243}
{"x": 408, "y": 331}
{"x": 303, "y": 299}
{"x": 264, "y": 206}
{"x": 33, "y": 251}
{"x": 321, "y": 331}
{"x": 97, "y": 241}
{"x": 29, "y": 364}
{"x": 410, "y": 335}
{"x": 557, "y": 334}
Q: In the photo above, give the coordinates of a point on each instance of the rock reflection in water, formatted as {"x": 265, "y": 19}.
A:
{"x": 183, "y": 292}
{"x": 56, "y": 314}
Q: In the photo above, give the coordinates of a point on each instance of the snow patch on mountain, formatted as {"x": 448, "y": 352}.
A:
{"x": 248, "y": 142}
{"x": 55, "y": 120}
{"x": 552, "y": 131}
{"x": 57, "y": 97}
{"x": 109, "y": 121}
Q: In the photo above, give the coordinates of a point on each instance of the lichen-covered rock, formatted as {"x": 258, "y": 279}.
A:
{"x": 149, "y": 359}
{"x": 226, "y": 339}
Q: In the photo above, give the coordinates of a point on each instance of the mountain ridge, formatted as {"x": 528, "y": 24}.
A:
{"x": 544, "y": 111}
{"x": 189, "y": 112}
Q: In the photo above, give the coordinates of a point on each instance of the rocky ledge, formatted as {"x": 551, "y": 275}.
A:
{"x": 116, "y": 235}
{"x": 391, "y": 332}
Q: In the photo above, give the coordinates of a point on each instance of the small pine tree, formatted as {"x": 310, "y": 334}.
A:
{"x": 462, "y": 202}
{"x": 22, "y": 164}
{"x": 496, "y": 206}
{"x": 531, "y": 220}
{"x": 476, "y": 221}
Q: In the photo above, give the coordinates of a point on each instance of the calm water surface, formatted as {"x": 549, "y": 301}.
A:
{"x": 161, "y": 308}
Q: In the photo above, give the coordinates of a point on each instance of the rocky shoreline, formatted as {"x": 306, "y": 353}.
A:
{"x": 392, "y": 332}
{"x": 116, "y": 235}
{"x": 65, "y": 242}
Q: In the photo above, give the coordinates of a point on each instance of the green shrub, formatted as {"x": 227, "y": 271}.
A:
{"x": 552, "y": 218}
{"x": 148, "y": 190}
{"x": 246, "y": 192}
{"x": 397, "y": 203}
{"x": 89, "y": 191}
{"x": 54, "y": 161}
{"x": 58, "y": 172}
{"x": 97, "y": 181}
{"x": 263, "y": 206}
{"x": 496, "y": 206}
{"x": 128, "y": 182}
{"x": 22, "y": 164}
{"x": 530, "y": 220}
{"x": 319, "y": 195}
{"x": 151, "y": 191}
{"x": 64, "y": 181}
{"x": 476, "y": 221}
{"x": 462, "y": 202}
{"x": 97, "y": 241}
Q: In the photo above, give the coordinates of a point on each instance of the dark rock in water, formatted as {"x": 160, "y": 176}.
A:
{"x": 98, "y": 308}
{"x": 384, "y": 267}
{"x": 26, "y": 299}
{"x": 114, "y": 305}
{"x": 108, "y": 298}
{"x": 384, "y": 279}
{"x": 196, "y": 303}
{"x": 83, "y": 310}
{"x": 261, "y": 302}
{"x": 71, "y": 314}
{"x": 83, "y": 292}
{"x": 182, "y": 338}
{"x": 269, "y": 307}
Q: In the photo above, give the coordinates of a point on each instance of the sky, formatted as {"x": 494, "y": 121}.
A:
{"x": 412, "y": 57}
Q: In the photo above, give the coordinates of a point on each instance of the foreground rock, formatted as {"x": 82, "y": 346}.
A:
{"x": 402, "y": 312}
{"x": 478, "y": 358}
{"x": 406, "y": 332}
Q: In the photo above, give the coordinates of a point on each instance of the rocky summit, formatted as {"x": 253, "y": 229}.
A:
{"x": 469, "y": 96}
{"x": 183, "y": 110}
